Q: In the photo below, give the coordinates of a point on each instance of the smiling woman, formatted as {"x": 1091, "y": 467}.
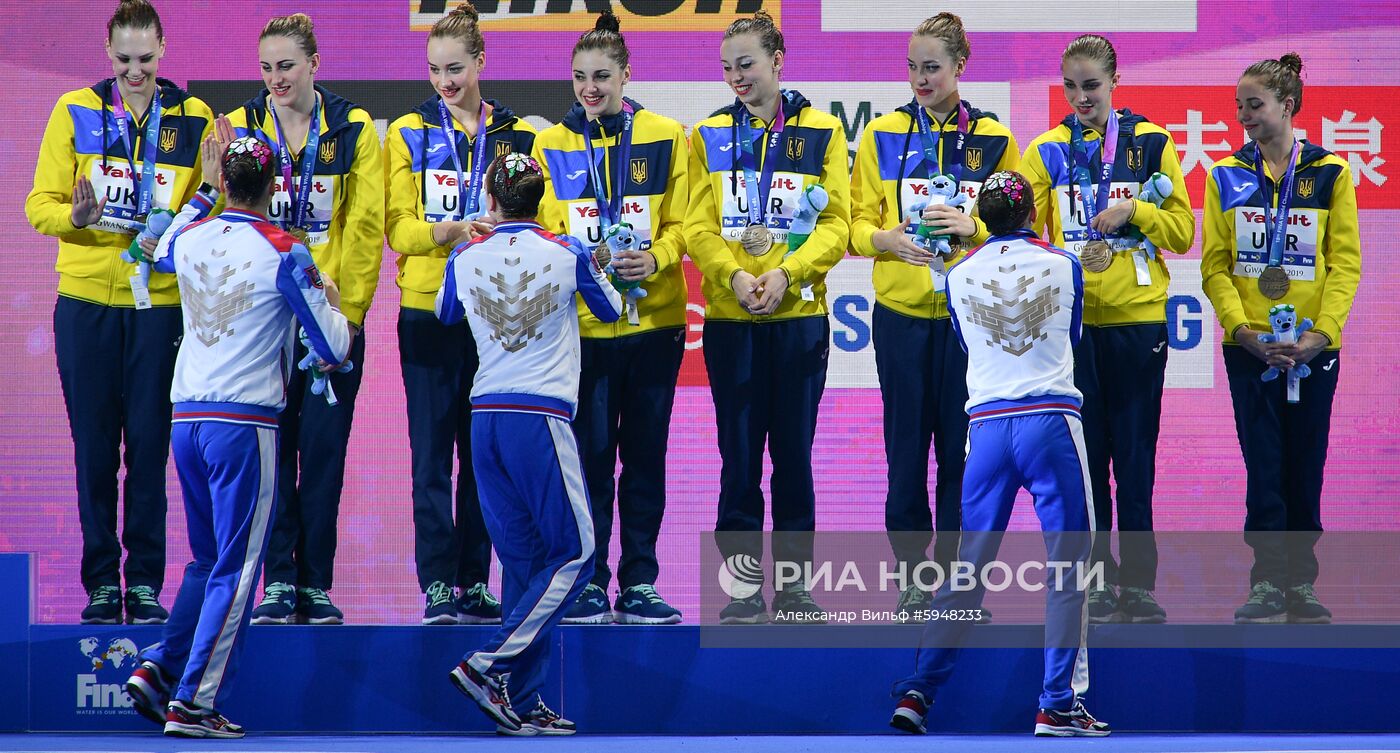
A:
{"x": 329, "y": 195}
{"x": 112, "y": 153}
{"x": 435, "y": 159}
{"x": 766, "y": 331}
{"x": 615, "y": 179}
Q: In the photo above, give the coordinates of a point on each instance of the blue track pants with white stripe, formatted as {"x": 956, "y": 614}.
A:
{"x": 535, "y": 504}
{"x": 1044, "y": 453}
{"x": 228, "y": 473}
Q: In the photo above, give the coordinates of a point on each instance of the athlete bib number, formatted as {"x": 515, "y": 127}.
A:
{"x": 584, "y": 221}
{"x": 782, "y": 203}
{"x": 1299, "y": 247}
{"x": 1071, "y": 206}
{"x": 318, "y": 215}
{"x": 114, "y": 182}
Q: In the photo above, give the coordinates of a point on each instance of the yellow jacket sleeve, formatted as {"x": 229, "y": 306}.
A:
{"x": 830, "y": 239}
{"x": 1010, "y": 162}
{"x": 1171, "y": 226}
{"x": 1033, "y": 168}
{"x": 705, "y": 245}
{"x": 551, "y": 215}
{"x": 1218, "y": 263}
{"x": 49, "y": 206}
{"x": 361, "y": 240}
{"x": 409, "y": 234}
{"x": 668, "y": 247}
{"x": 867, "y": 198}
{"x": 1342, "y": 257}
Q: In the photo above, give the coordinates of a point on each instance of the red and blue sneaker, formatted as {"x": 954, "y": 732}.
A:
{"x": 184, "y": 719}
{"x": 149, "y": 688}
{"x": 909, "y": 713}
{"x": 542, "y": 721}
{"x": 1077, "y": 722}
{"x": 489, "y": 691}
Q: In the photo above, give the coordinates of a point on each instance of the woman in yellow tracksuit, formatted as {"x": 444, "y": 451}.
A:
{"x": 766, "y": 331}
{"x": 432, "y": 193}
{"x": 612, "y": 163}
{"x": 1308, "y": 266}
{"x": 330, "y": 192}
{"x": 922, "y": 368}
{"x": 1087, "y": 201}
{"x": 111, "y": 153}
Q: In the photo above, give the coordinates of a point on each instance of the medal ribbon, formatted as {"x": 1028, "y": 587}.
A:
{"x": 931, "y": 140}
{"x": 610, "y": 205}
{"x": 301, "y": 203}
{"x": 1081, "y": 154}
{"x": 469, "y": 193}
{"x": 145, "y": 186}
{"x": 757, "y": 191}
{"x": 1276, "y": 225}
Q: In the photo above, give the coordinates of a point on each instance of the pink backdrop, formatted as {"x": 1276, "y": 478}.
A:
{"x": 1180, "y": 76}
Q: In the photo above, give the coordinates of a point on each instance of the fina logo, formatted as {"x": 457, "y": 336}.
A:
{"x": 94, "y": 697}
{"x": 740, "y": 576}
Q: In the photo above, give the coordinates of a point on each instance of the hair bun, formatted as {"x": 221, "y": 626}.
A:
{"x": 466, "y": 9}
{"x": 1292, "y": 61}
{"x": 763, "y": 15}
{"x": 608, "y": 21}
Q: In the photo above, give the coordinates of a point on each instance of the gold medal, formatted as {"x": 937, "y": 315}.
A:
{"x": 1274, "y": 282}
{"x": 1096, "y": 256}
{"x": 757, "y": 240}
{"x": 300, "y": 234}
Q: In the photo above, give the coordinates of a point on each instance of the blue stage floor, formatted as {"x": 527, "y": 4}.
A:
{"x": 1124, "y": 743}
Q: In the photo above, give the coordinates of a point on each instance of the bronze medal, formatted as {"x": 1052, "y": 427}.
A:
{"x": 300, "y": 234}
{"x": 1274, "y": 282}
{"x": 1096, "y": 256}
{"x": 757, "y": 240}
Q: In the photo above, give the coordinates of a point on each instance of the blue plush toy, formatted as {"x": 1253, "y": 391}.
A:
{"x": 810, "y": 205}
{"x": 621, "y": 238}
{"x": 157, "y": 222}
{"x": 942, "y": 190}
{"x": 1283, "y": 318}
{"x": 320, "y": 381}
{"x": 1156, "y": 190}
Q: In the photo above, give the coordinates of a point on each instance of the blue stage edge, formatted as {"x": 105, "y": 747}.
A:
{"x": 664, "y": 680}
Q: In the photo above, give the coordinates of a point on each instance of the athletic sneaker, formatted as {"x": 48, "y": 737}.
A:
{"x": 540, "y": 721}
{"x": 1137, "y": 605}
{"x": 1303, "y": 606}
{"x": 315, "y": 607}
{"x": 476, "y": 606}
{"x": 278, "y": 607}
{"x": 1103, "y": 605}
{"x": 1077, "y": 722}
{"x": 750, "y": 611}
{"x": 913, "y": 601}
{"x": 794, "y": 606}
{"x": 641, "y": 605}
{"x": 490, "y": 692}
{"x": 149, "y": 688}
{"x": 591, "y": 608}
{"x": 440, "y": 610}
{"x": 104, "y": 606}
{"x": 184, "y": 719}
{"x": 143, "y": 608}
{"x": 909, "y": 713}
{"x": 1266, "y": 604}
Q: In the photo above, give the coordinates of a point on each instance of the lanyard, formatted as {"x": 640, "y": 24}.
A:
{"x": 301, "y": 204}
{"x": 146, "y": 185}
{"x": 1276, "y": 225}
{"x": 1080, "y": 152}
{"x": 931, "y": 140}
{"x": 467, "y": 195}
{"x": 610, "y": 205}
{"x": 758, "y": 191}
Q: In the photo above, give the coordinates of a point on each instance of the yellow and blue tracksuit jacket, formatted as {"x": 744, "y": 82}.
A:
{"x": 81, "y": 139}
{"x": 891, "y": 173}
